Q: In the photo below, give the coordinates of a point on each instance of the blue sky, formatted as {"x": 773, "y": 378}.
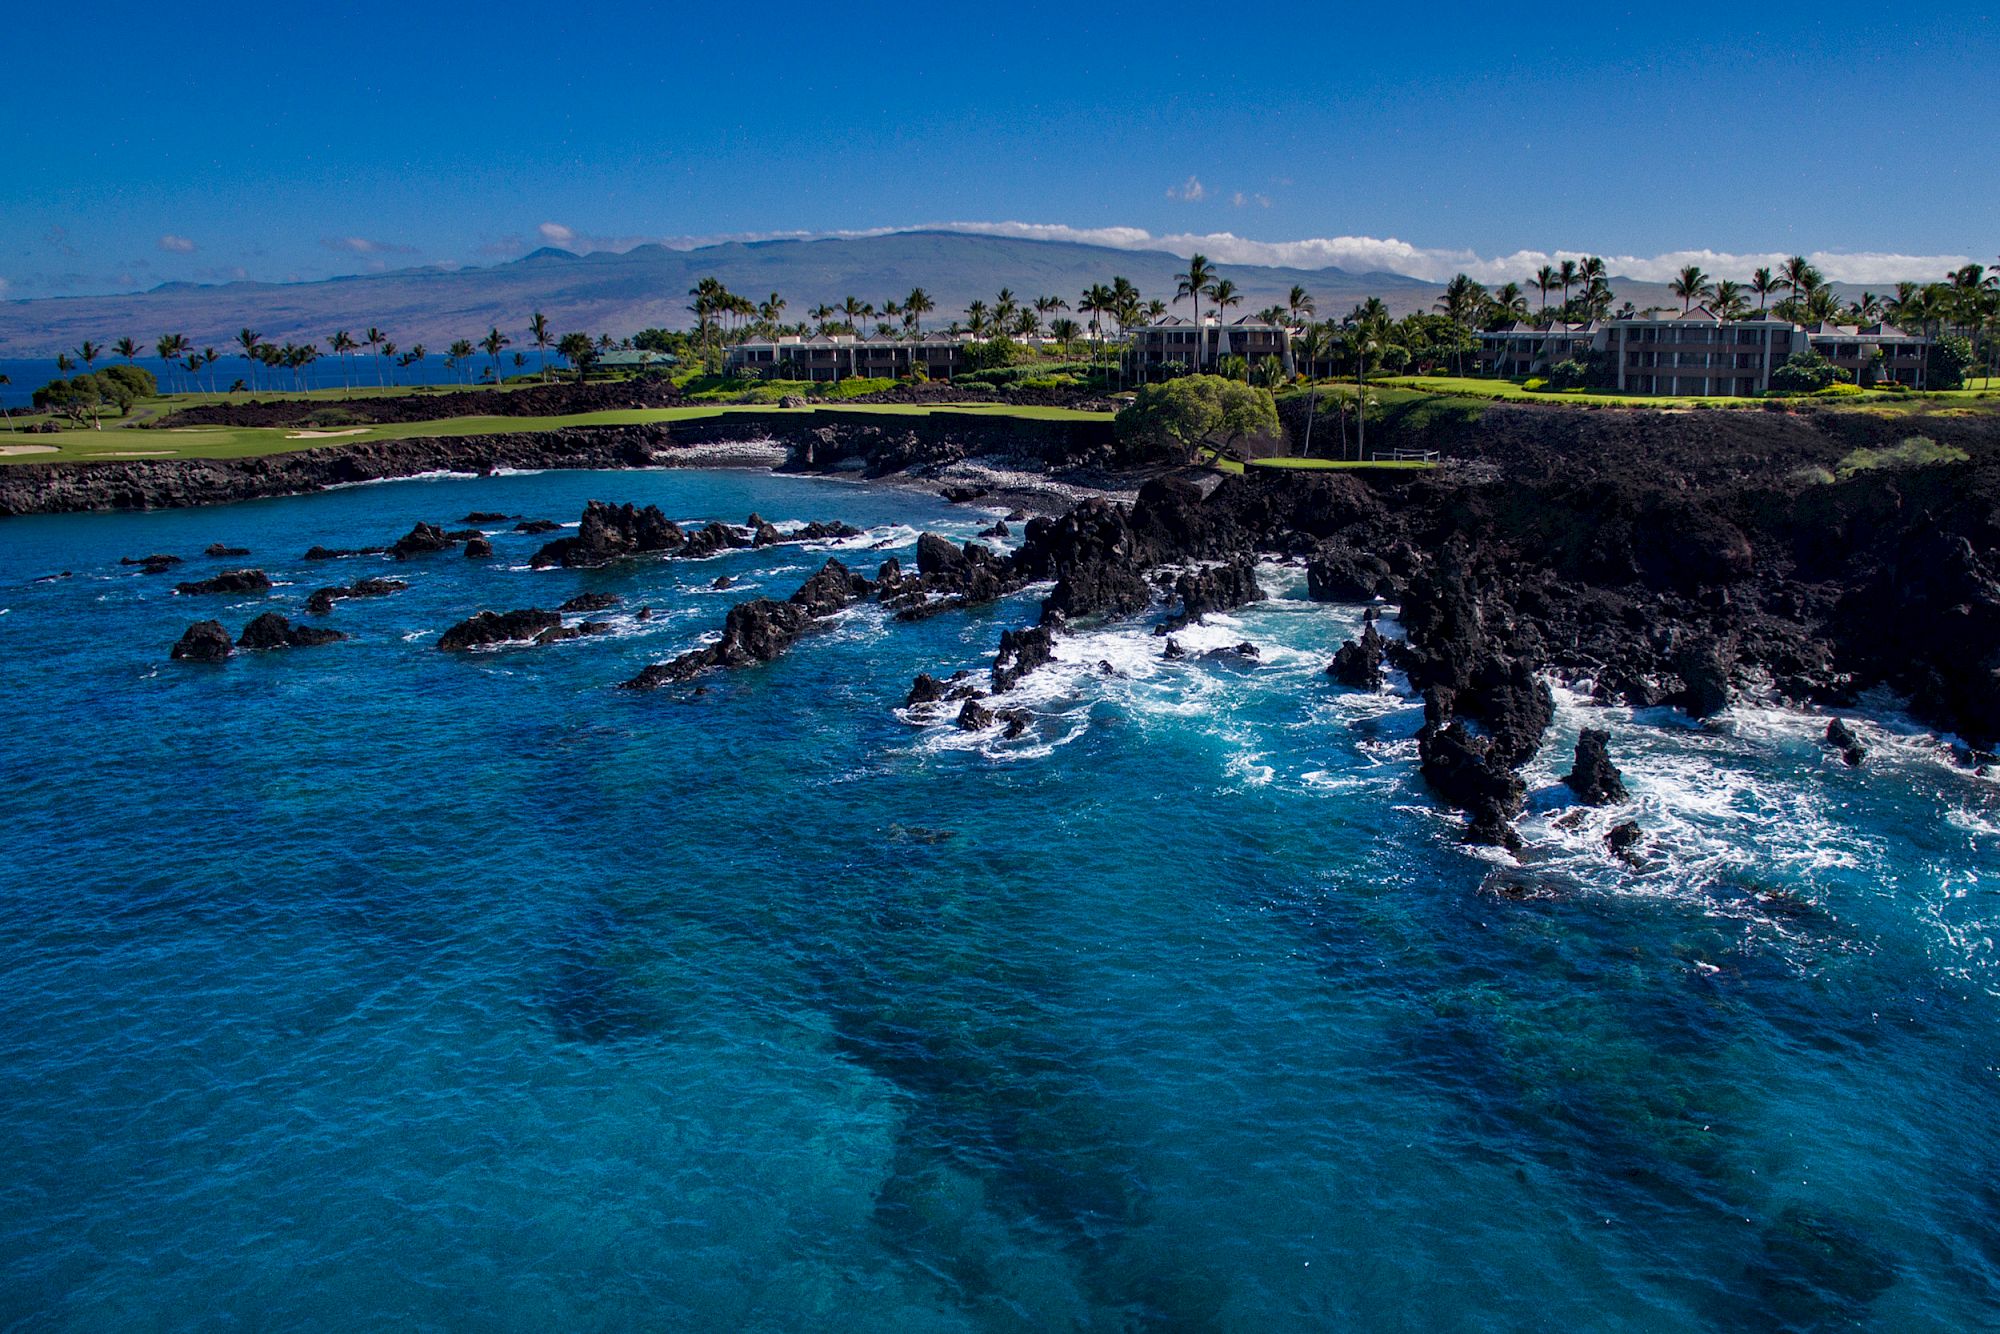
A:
{"x": 159, "y": 143}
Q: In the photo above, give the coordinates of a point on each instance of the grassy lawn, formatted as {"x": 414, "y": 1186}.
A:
{"x": 1466, "y": 386}
{"x": 231, "y": 442}
{"x": 1234, "y": 468}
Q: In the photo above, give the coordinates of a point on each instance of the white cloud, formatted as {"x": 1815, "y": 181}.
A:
{"x": 176, "y": 245}
{"x": 361, "y": 245}
{"x": 1369, "y": 253}
{"x": 1190, "y": 191}
{"x": 1359, "y": 254}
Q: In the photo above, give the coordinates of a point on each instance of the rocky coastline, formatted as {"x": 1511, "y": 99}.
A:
{"x": 1648, "y": 558}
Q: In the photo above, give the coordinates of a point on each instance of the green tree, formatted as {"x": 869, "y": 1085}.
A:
{"x": 1798, "y": 277}
{"x": 578, "y": 351}
{"x": 1546, "y": 281}
{"x": 539, "y": 335}
{"x": 1182, "y": 417}
{"x": 126, "y": 348}
{"x": 1949, "y": 358}
{"x": 494, "y": 343}
{"x": 250, "y": 340}
{"x": 342, "y": 343}
{"x": 1690, "y": 285}
{"x": 1194, "y": 285}
{"x": 1763, "y": 282}
{"x": 1299, "y": 305}
{"x": 1728, "y": 301}
{"x": 1462, "y": 302}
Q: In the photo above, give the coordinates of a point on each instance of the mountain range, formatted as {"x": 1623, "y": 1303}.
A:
{"x": 622, "y": 292}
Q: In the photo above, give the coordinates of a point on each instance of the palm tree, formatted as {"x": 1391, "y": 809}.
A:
{"x": 975, "y": 317}
{"x": 1727, "y": 300}
{"x": 1367, "y": 337}
{"x": 578, "y": 351}
{"x": 1763, "y": 282}
{"x": 1094, "y": 302}
{"x": 1194, "y": 285}
{"x": 1064, "y": 330}
{"x": 126, "y": 348}
{"x": 375, "y": 339}
{"x": 772, "y": 311}
{"x": 538, "y": 334}
{"x": 171, "y": 347}
{"x": 1313, "y": 345}
{"x": 1797, "y": 276}
{"x": 1298, "y": 303}
{"x": 1222, "y": 294}
{"x": 1546, "y": 281}
{"x": 386, "y": 352}
{"x": 415, "y": 358}
{"x": 459, "y": 354}
{"x": 88, "y": 352}
{"x": 1690, "y": 285}
{"x": 1461, "y": 303}
{"x": 1567, "y": 275}
{"x": 917, "y": 305}
{"x": 493, "y": 342}
{"x": 248, "y": 339}
{"x": 4, "y": 381}
{"x": 343, "y": 343}
{"x": 1510, "y": 302}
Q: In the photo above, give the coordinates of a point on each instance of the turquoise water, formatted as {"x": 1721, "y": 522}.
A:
{"x": 370, "y": 987}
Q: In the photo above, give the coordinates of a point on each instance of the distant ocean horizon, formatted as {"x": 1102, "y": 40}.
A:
{"x": 27, "y": 374}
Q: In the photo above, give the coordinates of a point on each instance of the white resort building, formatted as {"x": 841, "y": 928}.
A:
{"x": 1700, "y": 353}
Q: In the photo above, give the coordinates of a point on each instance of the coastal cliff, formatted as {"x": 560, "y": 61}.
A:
{"x": 874, "y": 443}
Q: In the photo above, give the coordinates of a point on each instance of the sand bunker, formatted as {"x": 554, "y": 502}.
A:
{"x": 322, "y": 435}
{"x": 11, "y": 451}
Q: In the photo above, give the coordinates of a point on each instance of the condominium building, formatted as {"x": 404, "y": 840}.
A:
{"x": 1698, "y": 353}
{"x": 844, "y": 356}
{"x": 1175, "y": 341}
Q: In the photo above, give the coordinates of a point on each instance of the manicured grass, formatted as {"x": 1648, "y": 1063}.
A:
{"x": 230, "y": 442}
{"x": 1509, "y": 391}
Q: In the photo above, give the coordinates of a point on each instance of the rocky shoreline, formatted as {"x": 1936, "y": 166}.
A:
{"x": 864, "y": 444}
{"x": 1646, "y": 559}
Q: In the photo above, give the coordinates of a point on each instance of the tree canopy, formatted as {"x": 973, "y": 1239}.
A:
{"x": 1182, "y": 415}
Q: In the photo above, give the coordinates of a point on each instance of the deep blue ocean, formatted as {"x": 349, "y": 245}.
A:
{"x": 370, "y": 987}
{"x": 357, "y": 371}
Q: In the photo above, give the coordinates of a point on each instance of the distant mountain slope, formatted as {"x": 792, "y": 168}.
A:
{"x": 621, "y": 293}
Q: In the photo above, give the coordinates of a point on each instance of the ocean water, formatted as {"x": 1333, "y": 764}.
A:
{"x": 360, "y": 370}
{"x": 370, "y": 987}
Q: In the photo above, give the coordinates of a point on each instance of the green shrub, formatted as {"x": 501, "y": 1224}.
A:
{"x": 1949, "y": 359}
{"x": 1571, "y": 374}
{"x": 1535, "y": 384}
{"x": 1805, "y": 373}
